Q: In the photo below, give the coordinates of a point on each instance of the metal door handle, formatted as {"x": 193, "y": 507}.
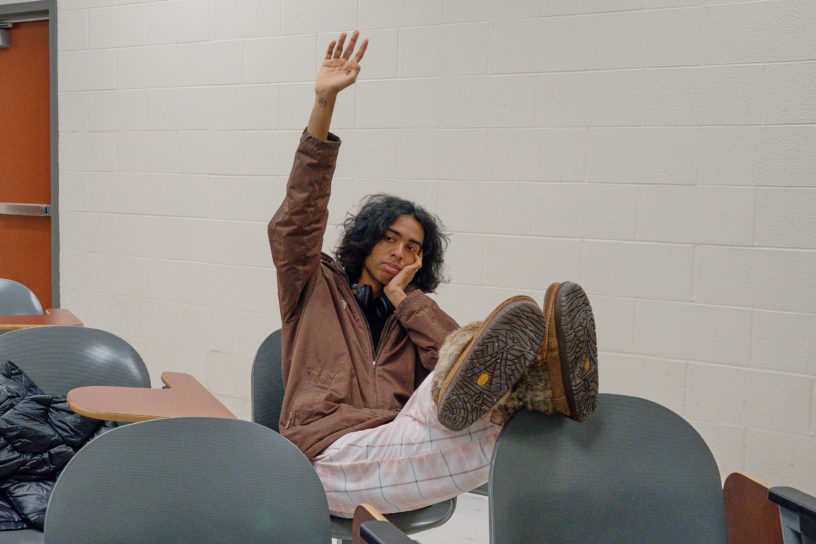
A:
{"x": 14, "y": 208}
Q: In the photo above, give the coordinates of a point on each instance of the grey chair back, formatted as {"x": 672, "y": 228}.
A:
{"x": 188, "y": 480}
{"x": 267, "y": 396}
{"x": 17, "y": 299}
{"x": 59, "y": 359}
{"x": 267, "y": 382}
{"x": 633, "y": 472}
{"x": 22, "y": 536}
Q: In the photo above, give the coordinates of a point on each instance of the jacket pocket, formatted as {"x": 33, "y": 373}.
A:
{"x": 318, "y": 394}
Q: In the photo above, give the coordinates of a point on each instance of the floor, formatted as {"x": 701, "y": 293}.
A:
{"x": 469, "y": 524}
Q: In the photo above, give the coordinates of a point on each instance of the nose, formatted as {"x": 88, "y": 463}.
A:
{"x": 399, "y": 252}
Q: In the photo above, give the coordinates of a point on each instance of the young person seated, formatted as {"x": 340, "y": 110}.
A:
{"x": 389, "y": 411}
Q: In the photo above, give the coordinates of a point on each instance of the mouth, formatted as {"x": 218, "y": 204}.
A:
{"x": 391, "y": 268}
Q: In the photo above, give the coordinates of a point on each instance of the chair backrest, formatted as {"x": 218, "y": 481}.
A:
{"x": 17, "y": 299}
{"x": 267, "y": 382}
{"x": 188, "y": 480}
{"x": 633, "y": 472}
{"x": 59, "y": 359}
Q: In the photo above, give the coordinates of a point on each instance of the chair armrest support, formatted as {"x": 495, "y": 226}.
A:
{"x": 383, "y": 532}
{"x": 363, "y": 513}
{"x": 798, "y": 513}
{"x": 371, "y": 527}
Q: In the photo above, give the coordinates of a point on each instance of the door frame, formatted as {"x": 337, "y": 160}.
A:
{"x": 40, "y": 10}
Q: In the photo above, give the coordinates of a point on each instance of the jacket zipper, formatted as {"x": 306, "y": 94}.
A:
{"x": 386, "y": 328}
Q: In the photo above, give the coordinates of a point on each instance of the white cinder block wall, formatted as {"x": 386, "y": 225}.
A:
{"x": 661, "y": 152}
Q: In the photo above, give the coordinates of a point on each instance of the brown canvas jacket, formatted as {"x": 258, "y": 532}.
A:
{"x": 334, "y": 381}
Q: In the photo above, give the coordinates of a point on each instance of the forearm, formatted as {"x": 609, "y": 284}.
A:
{"x": 297, "y": 228}
{"x": 320, "y": 120}
{"x": 426, "y": 324}
{"x": 304, "y": 212}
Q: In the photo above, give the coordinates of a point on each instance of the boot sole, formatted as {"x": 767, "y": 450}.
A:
{"x": 571, "y": 350}
{"x": 492, "y": 363}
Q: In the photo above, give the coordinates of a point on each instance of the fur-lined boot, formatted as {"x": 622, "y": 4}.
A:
{"x": 521, "y": 358}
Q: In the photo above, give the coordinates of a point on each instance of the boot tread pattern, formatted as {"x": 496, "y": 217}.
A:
{"x": 579, "y": 350}
{"x": 503, "y": 351}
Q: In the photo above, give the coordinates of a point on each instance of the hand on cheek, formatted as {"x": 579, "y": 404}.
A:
{"x": 395, "y": 289}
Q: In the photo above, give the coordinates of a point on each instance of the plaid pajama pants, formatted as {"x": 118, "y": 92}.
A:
{"x": 411, "y": 462}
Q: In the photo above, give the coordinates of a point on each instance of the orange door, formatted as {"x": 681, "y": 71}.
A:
{"x": 25, "y": 159}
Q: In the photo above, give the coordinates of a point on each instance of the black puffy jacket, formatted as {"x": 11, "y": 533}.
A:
{"x": 38, "y": 436}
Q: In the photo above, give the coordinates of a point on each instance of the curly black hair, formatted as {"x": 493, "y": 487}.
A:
{"x": 364, "y": 230}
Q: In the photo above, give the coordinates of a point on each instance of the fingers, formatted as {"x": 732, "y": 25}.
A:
{"x": 330, "y": 50}
{"x": 350, "y": 47}
{"x": 416, "y": 265}
{"x": 336, "y": 48}
{"x": 360, "y": 52}
{"x": 339, "y": 49}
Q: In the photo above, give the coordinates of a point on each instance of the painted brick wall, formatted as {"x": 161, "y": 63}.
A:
{"x": 661, "y": 152}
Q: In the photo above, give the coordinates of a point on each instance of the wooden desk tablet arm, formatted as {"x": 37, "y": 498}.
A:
{"x": 184, "y": 396}
{"x": 52, "y": 317}
{"x": 798, "y": 513}
{"x": 749, "y": 516}
{"x": 371, "y": 527}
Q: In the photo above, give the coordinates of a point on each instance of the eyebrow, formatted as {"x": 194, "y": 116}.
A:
{"x": 398, "y": 233}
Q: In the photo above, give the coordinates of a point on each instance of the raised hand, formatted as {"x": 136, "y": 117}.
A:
{"x": 339, "y": 68}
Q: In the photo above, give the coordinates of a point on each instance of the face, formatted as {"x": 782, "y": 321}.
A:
{"x": 399, "y": 248}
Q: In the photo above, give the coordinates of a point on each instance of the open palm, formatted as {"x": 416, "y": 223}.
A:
{"x": 339, "y": 68}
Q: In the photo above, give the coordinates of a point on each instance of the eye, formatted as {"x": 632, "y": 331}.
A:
{"x": 389, "y": 238}
{"x": 412, "y": 249}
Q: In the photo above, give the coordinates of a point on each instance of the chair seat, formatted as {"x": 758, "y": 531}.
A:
{"x": 414, "y": 521}
{"x": 24, "y": 536}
